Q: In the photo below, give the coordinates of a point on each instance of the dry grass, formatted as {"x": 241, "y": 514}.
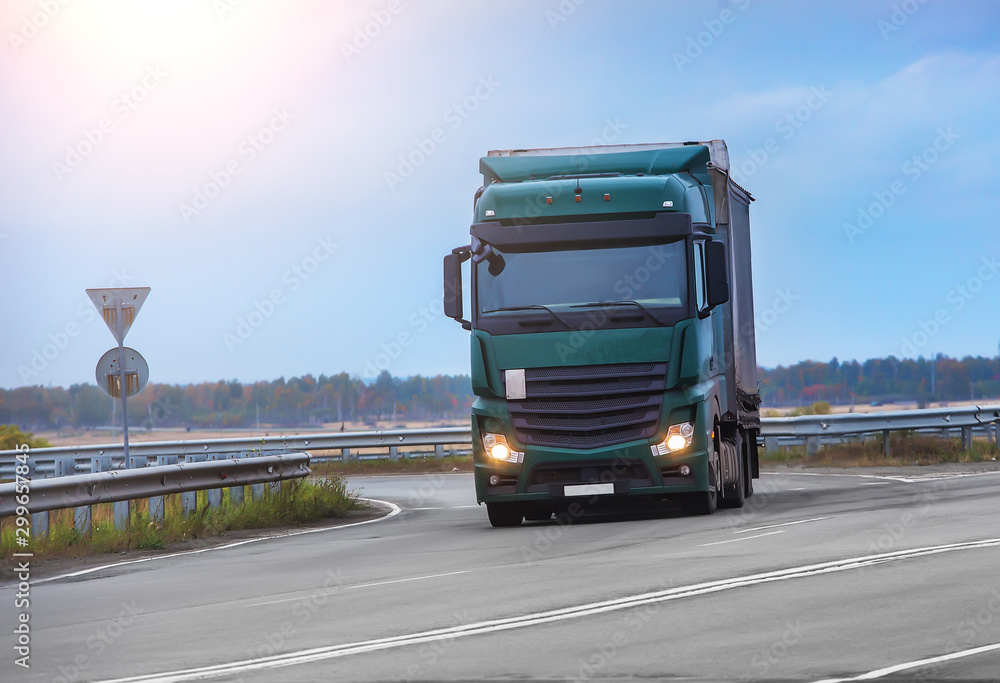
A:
{"x": 418, "y": 465}
{"x": 298, "y": 502}
{"x": 905, "y": 449}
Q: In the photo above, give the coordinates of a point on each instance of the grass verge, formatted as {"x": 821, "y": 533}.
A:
{"x": 298, "y": 502}
{"x": 905, "y": 449}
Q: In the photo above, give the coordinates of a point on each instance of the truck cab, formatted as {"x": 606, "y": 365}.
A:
{"x": 612, "y": 338}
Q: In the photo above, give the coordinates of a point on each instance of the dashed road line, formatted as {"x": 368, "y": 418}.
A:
{"x": 745, "y": 538}
{"x": 772, "y": 526}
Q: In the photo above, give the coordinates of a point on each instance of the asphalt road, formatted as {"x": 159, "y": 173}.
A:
{"x": 821, "y": 576}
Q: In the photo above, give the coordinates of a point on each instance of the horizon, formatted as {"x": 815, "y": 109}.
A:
{"x": 369, "y": 380}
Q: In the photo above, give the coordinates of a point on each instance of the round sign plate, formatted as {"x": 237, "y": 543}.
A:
{"x": 136, "y": 373}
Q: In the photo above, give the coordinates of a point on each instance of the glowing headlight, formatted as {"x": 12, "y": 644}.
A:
{"x": 678, "y": 438}
{"x": 497, "y": 448}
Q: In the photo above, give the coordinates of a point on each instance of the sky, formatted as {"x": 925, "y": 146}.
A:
{"x": 286, "y": 177}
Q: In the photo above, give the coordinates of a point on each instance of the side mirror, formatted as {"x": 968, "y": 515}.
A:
{"x": 453, "y": 307}
{"x": 716, "y": 273}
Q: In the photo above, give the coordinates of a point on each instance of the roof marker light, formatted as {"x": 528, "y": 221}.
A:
{"x": 548, "y": 200}
{"x": 607, "y": 197}
{"x": 490, "y": 213}
{"x": 668, "y": 204}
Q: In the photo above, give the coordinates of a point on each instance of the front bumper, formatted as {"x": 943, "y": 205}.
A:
{"x": 623, "y": 470}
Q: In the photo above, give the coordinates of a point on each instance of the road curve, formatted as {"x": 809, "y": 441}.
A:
{"x": 823, "y": 576}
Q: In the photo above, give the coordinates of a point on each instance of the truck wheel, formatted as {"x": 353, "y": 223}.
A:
{"x": 706, "y": 502}
{"x": 504, "y": 514}
{"x": 733, "y": 496}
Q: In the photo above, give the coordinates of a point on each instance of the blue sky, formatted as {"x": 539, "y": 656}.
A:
{"x": 243, "y": 159}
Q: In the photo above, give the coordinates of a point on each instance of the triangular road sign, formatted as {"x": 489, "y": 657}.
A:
{"x": 107, "y": 302}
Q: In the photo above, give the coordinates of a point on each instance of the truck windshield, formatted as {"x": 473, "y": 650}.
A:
{"x": 652, "y": 276}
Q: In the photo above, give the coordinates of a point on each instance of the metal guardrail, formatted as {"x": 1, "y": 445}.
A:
{"x": 814, "y": 429}
{"x": 82, "y": 459}
{"x": 859, "y": 423}
{"x": 390, "y": 440}
{"x": 57, "y": 493}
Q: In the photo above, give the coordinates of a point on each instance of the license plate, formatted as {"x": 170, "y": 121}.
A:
{"x": 589, "y": 489}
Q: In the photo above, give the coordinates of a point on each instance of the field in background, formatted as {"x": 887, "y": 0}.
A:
{"x": 883, "y": 408}
{"x": 102, "y": 435}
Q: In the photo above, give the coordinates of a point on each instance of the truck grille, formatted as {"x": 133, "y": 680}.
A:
{"x": 589, "y": 406}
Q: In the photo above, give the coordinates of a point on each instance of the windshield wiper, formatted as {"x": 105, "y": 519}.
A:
{"x": 532, "y": 307}
{"x": 623, "y": 302}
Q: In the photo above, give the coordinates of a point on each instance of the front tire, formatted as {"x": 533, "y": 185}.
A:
{"x": 706, "y": 502}
{"x": 504, "y": 514}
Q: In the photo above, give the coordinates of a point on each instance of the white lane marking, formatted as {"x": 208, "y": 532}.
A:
{"x": 415, "y": 578}
{"x": 915, "y": 479}
{"x": 363, "y": 585}
{"x": 333, "y": 651}
{"x": 452, "y": 507}
{"x": 772, "y": 526}
{"x": 801, "y": 488}
{"x": 879, "y": 673}
{"x": 873, "y": 483}
{"x": 745, "y": 538}
{"x": 393, "y": 511}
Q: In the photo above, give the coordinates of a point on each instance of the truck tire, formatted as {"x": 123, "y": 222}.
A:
{"x": 734, "y": 495}
{"x": 504, "y": 514}
{"x": 706, "y": 502}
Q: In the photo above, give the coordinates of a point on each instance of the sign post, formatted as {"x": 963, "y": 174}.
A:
{"x": 121, "y": 372}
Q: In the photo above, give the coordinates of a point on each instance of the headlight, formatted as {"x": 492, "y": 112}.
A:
{"x": 678, "y": 438}
{"x": 497, "y": 448}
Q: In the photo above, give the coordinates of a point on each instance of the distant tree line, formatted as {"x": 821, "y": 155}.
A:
{"x": 297, "y": 401}
{"x": 308, "y": 400}
{"x": 883, "y": 380}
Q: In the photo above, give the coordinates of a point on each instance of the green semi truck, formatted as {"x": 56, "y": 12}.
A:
{"x": 613, "y": 352}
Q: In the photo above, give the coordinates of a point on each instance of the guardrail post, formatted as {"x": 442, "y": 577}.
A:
{"x": 771, "y": 444}
{"x": 966, "y": 438}
{"x": 63, "y": 467}
{"x": 39, "y": 520}
{"x": 189, "y": 500}
{"x": 40, "y": 524}
{"x": 236, "y": 492}
{"x": 157, "y": 504}
{"x": 996, "y": 434}
{"x": 82, "y": 516}
{"x": 438, "y": 450}
{"x": 82, "y": 520}
{"x": 812, "y": 445}
{"x": 393, "y": 452}
{"x": 886, "y": 444}
{"x": 214, "y": 496}
{"x": 120, "y": 510}
{"x": 345, "y": 454}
